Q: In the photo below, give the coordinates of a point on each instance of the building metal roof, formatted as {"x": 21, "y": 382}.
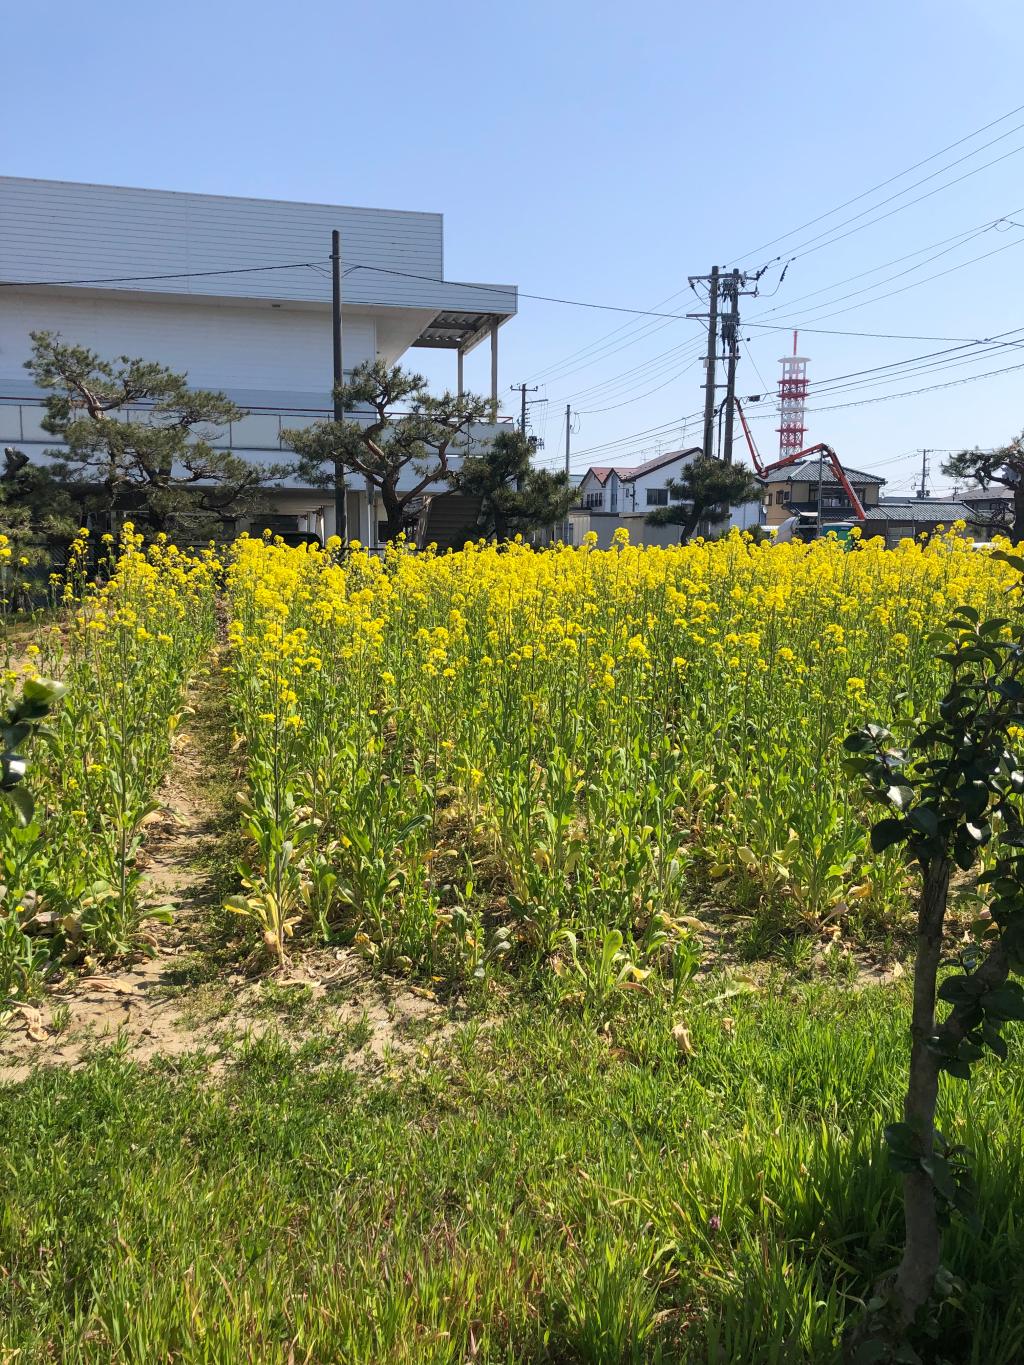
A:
{"x": 112, "y": 240}
{"x": 927, "y": 510}
{"x": 807, "y": 470}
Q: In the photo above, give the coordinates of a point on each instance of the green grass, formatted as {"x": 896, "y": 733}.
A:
{"x": 541, "y": 1192}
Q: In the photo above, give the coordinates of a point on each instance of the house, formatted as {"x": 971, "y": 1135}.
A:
{"x": 237, "y": 292}
{"x": 990, "y": 510}
{"x": 901, "y": 518}
{"x": 795, "y": 489}
{"x": 616, "y": 496}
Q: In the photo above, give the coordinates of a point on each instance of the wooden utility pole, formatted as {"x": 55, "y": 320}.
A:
{"x": 709, "y": 377}
{"x": 730, "y": 339}
{"x": 523, "y": 390}
{"x": 340, "y": 488}
{"x": 568, "y": 433}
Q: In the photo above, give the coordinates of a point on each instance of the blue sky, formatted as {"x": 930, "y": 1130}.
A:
{"x": 604, "y": 153}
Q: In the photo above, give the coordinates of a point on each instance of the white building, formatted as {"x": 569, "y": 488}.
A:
{"x": 237, "y": 293}
{"x": 614, "y": 496}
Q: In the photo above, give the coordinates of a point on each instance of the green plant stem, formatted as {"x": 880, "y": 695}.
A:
{"x": 923, "y": 1248}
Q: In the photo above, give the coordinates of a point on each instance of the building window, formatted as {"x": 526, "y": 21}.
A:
{"x": 593, "y": 499}
{"x": 780, "y": 498}
{"x": 657, "y": 497}
{"x": 615, "y": 496}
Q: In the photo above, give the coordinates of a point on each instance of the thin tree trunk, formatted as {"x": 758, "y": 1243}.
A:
{"x": 922, "y": 1251}
{"x": 1018, "y": 512}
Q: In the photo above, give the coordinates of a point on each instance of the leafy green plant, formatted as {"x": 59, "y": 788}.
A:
{"x": 954, "y": 792}
{"x": 596, "y": 977}
{"x": 21, "y": 956}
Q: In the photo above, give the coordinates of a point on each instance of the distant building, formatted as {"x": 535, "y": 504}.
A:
{"x": 795, "y": 490}
{"x": 898, "y": 519}
{"x": 614, "y": 496}
{"x": 237, "y": 293}
{"x": 990, "y": 510}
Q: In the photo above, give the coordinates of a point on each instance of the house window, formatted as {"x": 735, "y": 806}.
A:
{"x": 593, "y": 499}
{"x": 657, "y": 497}
{"x": 676, "y": 497}
{"x": 615, "y": 496}
{"x": 780, "y": 498}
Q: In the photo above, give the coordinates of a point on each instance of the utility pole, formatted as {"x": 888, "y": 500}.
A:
{"x": 728, "y": 322}
{"x": 923, "y": 490}
{"x": 568, "y": 433}
{"x": 730, "y": 340}
{"x": 340, "y": 489}
{"x": 820, "y": 453}
{"x": 523, "y": 390}
{"x": 709, "y": 375}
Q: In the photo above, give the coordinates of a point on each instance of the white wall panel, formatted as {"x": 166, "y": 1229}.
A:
{"x": 230, "y": 347}
{"x": 58, "y": 230}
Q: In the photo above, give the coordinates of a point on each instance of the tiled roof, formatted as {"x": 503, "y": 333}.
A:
{"x": 919, "y": 510}
{"x": 996, "y": 494}
{"x": 808, "y": 470}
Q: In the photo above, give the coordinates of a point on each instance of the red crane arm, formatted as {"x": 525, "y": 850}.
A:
{"x": 754, "y": 456}
{"x": 833, "y": 459}
{"x": 837, "y": 469}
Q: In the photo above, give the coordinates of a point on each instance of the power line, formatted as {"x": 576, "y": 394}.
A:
{"x": 634, "y": 437}
{"x": 589, "y": 412}
{"x": 170, "y": 275}
{"x": 648, "y": 369}
{"x": 915, "y": 284}
{"x": 809, "y": 247}
{"x": 907, "y": 393}
{"x": 880, "y": 186}
{"x": 910, "y": 360}
{"x": 503, "y": 291}
{"x": 958, "y": 239}
{"x": 599, "y": 344}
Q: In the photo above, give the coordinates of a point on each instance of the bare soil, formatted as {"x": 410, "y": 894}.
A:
{"x": 186, "y": 995}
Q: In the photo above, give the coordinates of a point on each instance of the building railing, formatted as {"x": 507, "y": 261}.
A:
{"x": 260, "y": 428}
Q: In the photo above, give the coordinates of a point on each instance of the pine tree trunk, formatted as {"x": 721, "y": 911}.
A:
{"x": 923, "y": 1248}
{"x": 394, "y": 512}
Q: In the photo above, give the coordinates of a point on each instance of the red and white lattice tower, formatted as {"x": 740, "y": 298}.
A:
{"x": 792, "y": 402}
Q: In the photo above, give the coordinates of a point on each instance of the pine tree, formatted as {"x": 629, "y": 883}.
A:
{"x": 706, "y": 491}
{"x": 408, "y": 432}
{"x": 160, "y": 464}
{"x": 516, "y": 498}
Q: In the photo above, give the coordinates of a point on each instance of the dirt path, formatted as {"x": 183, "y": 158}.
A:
{"x": 130, "y": 1003}
{"x": 193, "y": 994}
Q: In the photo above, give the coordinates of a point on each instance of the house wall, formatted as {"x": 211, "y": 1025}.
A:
{"x": 634, "y": 494}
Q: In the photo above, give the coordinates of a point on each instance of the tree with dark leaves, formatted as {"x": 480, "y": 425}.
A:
{"x": 134, "y": 430}
{"x": 516, "y": 498}
{"x": 406, "y": 443}
{"x": 706, "y": 492}
{"x": 1003, "y": 467}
